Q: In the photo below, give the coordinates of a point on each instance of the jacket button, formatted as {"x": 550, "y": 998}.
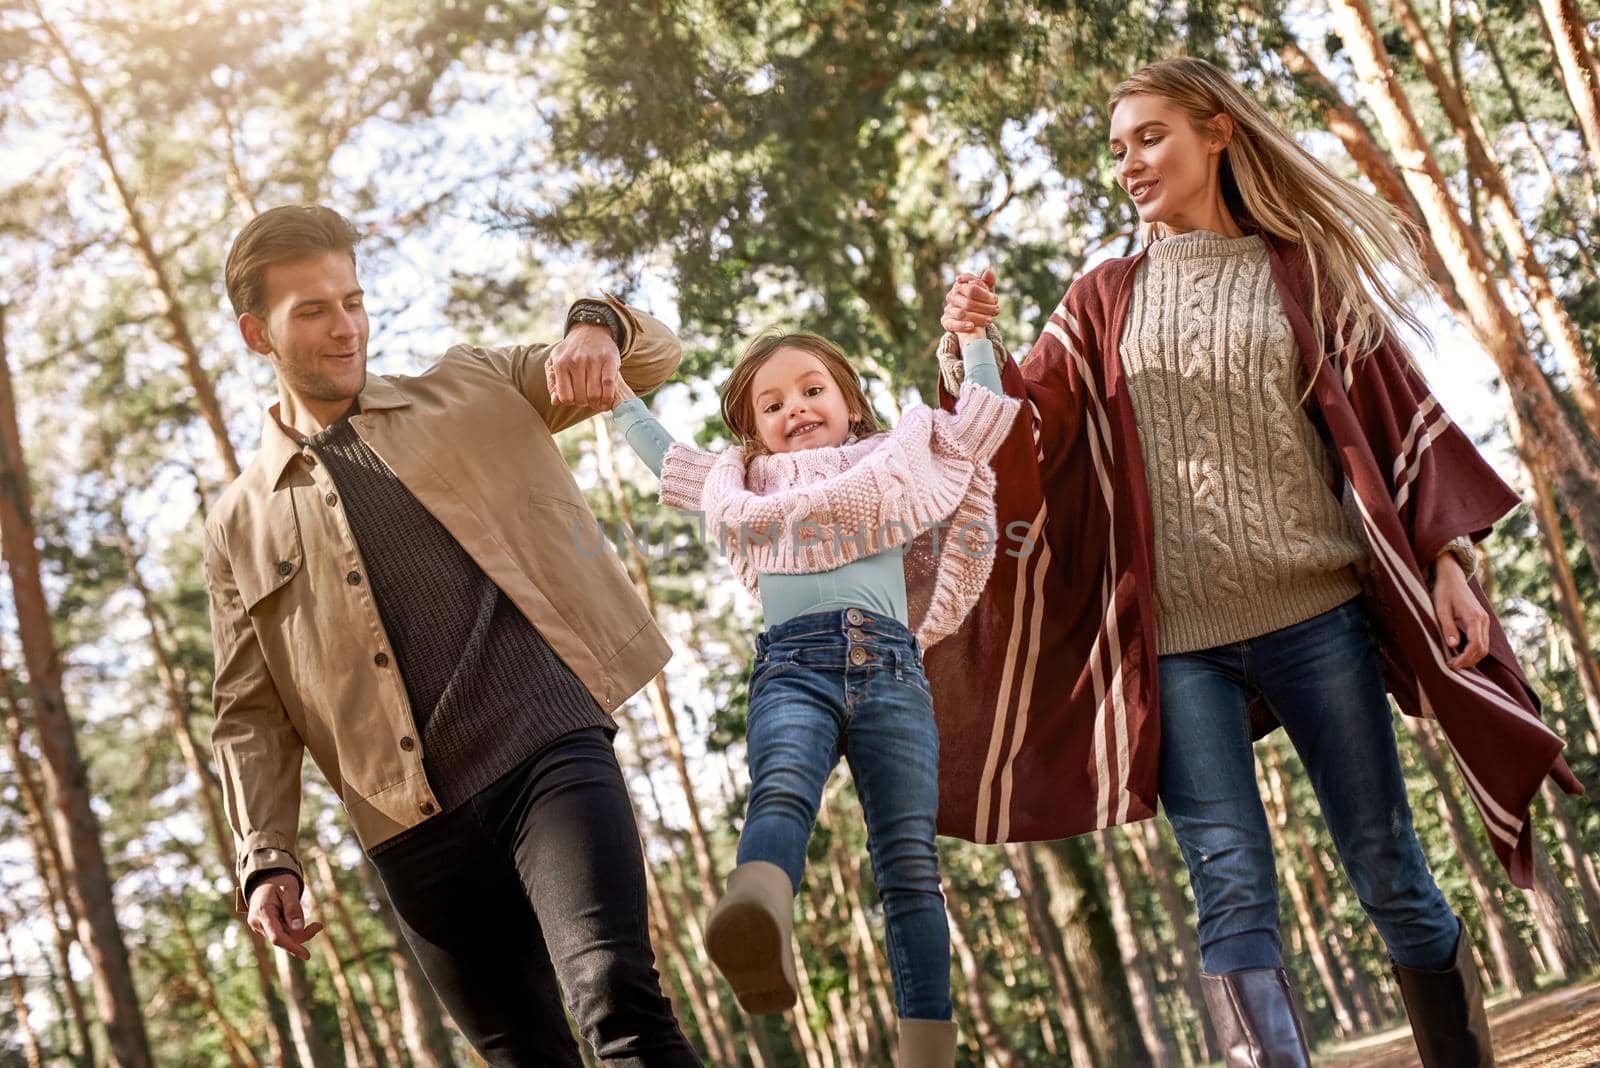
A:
{"x": 407, "y": 744}
{"x": 310, "y": 458}
{"x": 855, "y": 617}
{"x": 284, "y": 567}
{"x": 381, "y": 659}
{"x": 427, "y": 808}
{"x": 858, "y": 656}
{"x": 332, "y": 498}
{"x": 354, "y": 578}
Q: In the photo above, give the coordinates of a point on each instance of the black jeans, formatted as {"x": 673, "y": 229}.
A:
{"x": 539, "y": 877}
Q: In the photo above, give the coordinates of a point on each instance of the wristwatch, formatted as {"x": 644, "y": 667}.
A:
{"x": 595, "y": 313}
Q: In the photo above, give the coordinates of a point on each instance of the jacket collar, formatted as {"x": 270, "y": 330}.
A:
{"x": 278, "y": 449}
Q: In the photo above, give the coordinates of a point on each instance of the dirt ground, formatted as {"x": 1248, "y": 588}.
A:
{"x": 1556, "y": 1029}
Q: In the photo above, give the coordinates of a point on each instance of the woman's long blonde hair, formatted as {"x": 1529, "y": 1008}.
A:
{"x": 1274, "y": 186}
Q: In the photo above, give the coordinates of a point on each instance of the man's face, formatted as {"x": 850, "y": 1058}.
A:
{"x": 314, "y": 330}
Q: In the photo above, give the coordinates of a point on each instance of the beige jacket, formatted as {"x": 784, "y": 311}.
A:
{"x": 302, "y": 660}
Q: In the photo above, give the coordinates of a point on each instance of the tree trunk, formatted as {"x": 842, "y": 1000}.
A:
{"x": 1030, "y": 878}
{"x": 159, "y": 276}
{"x": 1369, "y": 157}
{"x": 381, "y": 1018}
{"x": 660, "y": 697}
{"x": 310, "y": 1046}
{"x": 819, "y": 1054}
{"x": 991, "y": 1039}
{"x": 1363, "y": 1000}
{"x": 1582, "y": 240}
{"x": 1559, "y": 330}
{"x": 1568, "y": 35}
{"x": 181, "y": 708}
{"x": 49, "y": 864}
{"x": 1579, "y": 859}
{"x": 1079, "y": 907}
{"x": 1568, "y": 948}
{"x": 352, "y": 1029}
{"x": 66, "y": 776}
{"x": 849, "y": 887}
{"x": 19, "y": 997}
{"x": 1150, "y": 848}
{"x": 1143, "y": 989}
{"x": 1276, "y": 799}
{"x": 1511, "y": 957}
{"x": 239, "y": 1051}
{"x": 422, "y": 1020}
{"x": 1554, "y": 444}
{"x": 669, "y": 949}
{"x": 1564, "y": 586}
{"x": 720, "y": 1031}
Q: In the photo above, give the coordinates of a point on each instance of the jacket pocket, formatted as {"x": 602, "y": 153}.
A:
{"x": 271, "y": 556}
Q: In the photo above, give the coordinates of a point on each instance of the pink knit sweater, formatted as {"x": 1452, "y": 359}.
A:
{"x": 798, "y": 513}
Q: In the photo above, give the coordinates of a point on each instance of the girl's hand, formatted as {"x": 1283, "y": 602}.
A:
{"x": 970, "y": 305}
{"x": 1460, "y": 614}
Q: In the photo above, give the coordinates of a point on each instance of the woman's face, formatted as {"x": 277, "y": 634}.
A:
{"x": 1166, "y": 165}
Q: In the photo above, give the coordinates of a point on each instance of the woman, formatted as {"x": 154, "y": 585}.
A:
{"x": 1198, "y": 409}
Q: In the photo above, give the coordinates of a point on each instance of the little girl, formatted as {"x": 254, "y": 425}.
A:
{"x": 816, "y": 507}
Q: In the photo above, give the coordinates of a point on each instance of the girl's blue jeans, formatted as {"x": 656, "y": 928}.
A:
{"x": 850, "y": 683}
{"x": 1324, "y": 682}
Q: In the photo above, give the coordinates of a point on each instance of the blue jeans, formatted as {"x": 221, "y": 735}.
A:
{"x": 850, "y": 683}
{"x": 1324, "y": 682}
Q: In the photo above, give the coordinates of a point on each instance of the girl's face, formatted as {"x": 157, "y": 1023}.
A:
{"x": 797, "y": 403}
{"x": 1167, "y": 166}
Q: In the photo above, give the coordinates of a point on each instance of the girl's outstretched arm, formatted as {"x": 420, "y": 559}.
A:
{"x": 643, "y": 432}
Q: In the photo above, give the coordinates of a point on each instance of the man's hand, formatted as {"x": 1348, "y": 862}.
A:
{"x": 584, "y": 368}
{"x": 275, "y": 914}
{"x": 1460, "y": 614}
{"x": 970, "y": 305}
{"x": 624, "y": 393}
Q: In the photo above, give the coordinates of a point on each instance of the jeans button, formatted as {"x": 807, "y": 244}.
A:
{"x": 857, "y": 634}
{"x": 854, "y": 617}
{"x": 858, "y": 656}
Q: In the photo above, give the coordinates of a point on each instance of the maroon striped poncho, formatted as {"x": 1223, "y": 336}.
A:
{"x": 1046, "y": 697}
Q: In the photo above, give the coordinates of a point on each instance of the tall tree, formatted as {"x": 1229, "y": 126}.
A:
{"x": 1556, "y": 446}
{"x": 66, "y": 775}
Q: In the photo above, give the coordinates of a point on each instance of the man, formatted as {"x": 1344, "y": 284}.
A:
{"x": 397, "y": 584}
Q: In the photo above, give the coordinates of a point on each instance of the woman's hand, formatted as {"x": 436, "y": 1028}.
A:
{"x": 970, "y": 305}
{"x": 1461, "y": 616}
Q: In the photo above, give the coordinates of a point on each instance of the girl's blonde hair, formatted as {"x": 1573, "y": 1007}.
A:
{"x": 1271, "y": 184}
{"x": 738, "y": 405}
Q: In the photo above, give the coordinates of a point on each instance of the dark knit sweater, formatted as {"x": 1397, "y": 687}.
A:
{"x": 486, "y": 689}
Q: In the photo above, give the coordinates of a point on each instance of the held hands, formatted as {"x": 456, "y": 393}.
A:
{"x": 275, "y": 914}
{"x": 585, "y": 368}
{"x": 1460, "y": 614}
{"x": 970, "y": 305}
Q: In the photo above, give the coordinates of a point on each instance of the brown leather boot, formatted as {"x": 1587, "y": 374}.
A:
{"x": 926, "y": 1044}
{"x": 749, "y": 937}
{"x": 1255, "y": 1019}
{"x": 1446, "y": 1009}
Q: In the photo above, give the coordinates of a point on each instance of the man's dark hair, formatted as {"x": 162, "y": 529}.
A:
{"x": 282, "y": 235}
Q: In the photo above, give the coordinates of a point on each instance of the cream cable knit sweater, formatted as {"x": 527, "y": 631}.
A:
{"x": 1249, "y": 534}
